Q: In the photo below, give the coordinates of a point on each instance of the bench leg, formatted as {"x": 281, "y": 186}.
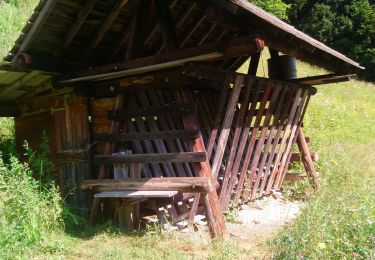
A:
{"x": 125, "y": 218}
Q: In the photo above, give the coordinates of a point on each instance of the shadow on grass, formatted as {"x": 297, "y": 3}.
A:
{"x": 77, "y": 225}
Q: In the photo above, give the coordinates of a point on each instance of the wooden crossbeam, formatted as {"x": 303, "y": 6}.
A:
{"x": 169, "y": 109}
{"x": 106, "y": 25}
{"x": 222, "y": 49}
{"x": 180, "y": 184}
{"x": 81, "y": 18}
{"x": 137, "y": 35}
{"x": 125, "y": 137}
{"x": 323, "y": 79}
{"x": 151, "y": 158}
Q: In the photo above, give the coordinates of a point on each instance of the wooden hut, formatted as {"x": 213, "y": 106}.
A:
{"x": 143, "y": 107}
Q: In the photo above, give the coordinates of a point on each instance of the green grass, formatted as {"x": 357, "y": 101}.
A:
{"x": 338, "y": 221}
{"x": 14, "y": 15}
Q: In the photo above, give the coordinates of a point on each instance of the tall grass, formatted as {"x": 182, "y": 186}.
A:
{"x": 14, "y": 14}
{"x": 31, "y": 213}
{"x": 338, "y": 221}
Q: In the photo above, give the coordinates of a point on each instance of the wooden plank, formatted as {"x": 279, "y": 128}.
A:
{"x": 150, "y": 158}
{"x": 226, "y": 126}
{"x": 125, "y": 137}
{"x": 171, "y": 59}
{"x": 169, "y": 109}
{"x": 180, "y": 184}
{"x": 136, "y": 194}
{"x": 323, "y": 79}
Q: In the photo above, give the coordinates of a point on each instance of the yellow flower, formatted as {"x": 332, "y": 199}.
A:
{"x": 322, "y": 245}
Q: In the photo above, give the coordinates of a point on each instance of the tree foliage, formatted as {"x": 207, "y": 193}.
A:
{"x": 276, "y": 7}
{"x": 346, "y": 25}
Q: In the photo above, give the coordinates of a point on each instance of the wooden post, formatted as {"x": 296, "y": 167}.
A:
{"x": 306, "y": 159}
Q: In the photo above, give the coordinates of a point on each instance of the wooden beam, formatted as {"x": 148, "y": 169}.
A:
{"x": 9, "y": 110}
{"x": 224, "y": 49}
{"x": 166, "y": 24}
{"x": 81, "y": 18}
{"x": 106, "y": 25}
{"x": 125, "y": 137}
{"x": 151, "y": 158}
{"x": 180, "y": 184}
{"x": 323, "y": 79}
{"x": 169, "y": 109}
{"x": 307, "y": 158}
{"x": 138, "y": 30}
{"x": 27, "y": 62}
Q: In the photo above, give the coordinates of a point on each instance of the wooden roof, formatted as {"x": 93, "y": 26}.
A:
{"x": 96, "y": 32}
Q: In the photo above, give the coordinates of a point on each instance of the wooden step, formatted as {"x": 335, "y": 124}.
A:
{"x": 136, "y": 194}
{"x": 151, "y": 158}
{"x": 125, "y": 137}
{"x": 169, "y": 109}
{"x": 180, "y": 184}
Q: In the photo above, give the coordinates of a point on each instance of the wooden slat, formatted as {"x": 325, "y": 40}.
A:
{"x": 243, "y": 148}
{"x": 271, "y": 142}
{"x": 233, "y": 147}
{"x": 125, "y": 137}
{"x": 151, "y": 158}
{"x": 216, "y": 124}
{"x": 252, "y": 142}
{"x": 256, "y": 162}
{"x": 184, "y": 184}
{"x": 136, "y": 194}
{"x": 226, "y": 126}
{"x": 169, "y": 109}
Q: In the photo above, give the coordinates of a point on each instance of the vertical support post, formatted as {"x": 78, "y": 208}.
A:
{"x": 306, "y": 158}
